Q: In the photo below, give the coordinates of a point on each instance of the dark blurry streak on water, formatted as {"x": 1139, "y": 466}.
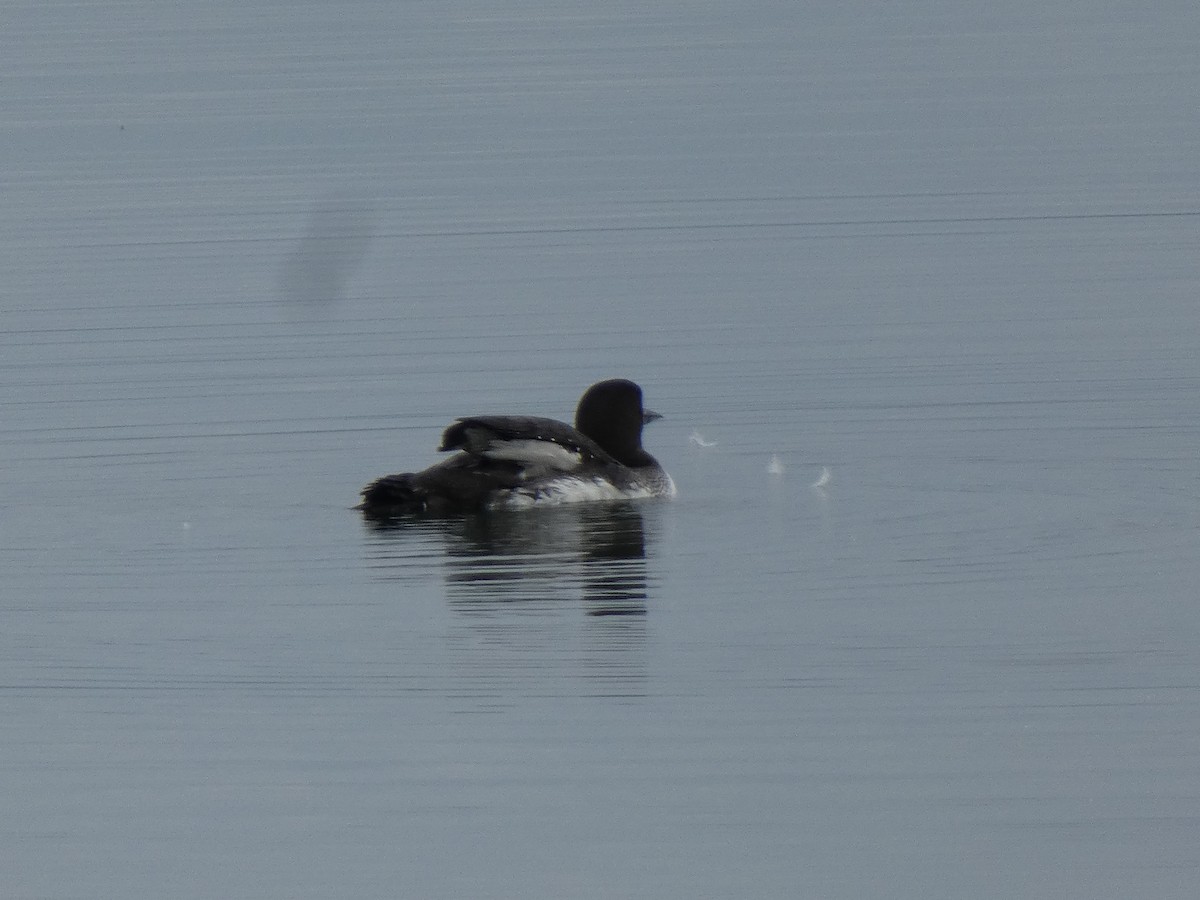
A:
{"x": 336, "y": 237}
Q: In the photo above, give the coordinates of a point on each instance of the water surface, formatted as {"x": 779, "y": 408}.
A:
{"x": 256, "y": 254}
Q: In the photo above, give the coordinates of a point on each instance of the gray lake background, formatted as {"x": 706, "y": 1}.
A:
{"x": 939, "y": 257}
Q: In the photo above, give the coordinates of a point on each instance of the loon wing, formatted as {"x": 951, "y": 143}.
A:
{"x": 534, "y": 445}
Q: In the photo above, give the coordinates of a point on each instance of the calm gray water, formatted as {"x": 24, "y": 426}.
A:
{"x": 257, "y": 253}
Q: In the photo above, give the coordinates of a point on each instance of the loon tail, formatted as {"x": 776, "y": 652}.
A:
{"x": 393, "y": 495}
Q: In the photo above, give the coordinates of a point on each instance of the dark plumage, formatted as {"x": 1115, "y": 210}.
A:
{"x": 522, "y": 460}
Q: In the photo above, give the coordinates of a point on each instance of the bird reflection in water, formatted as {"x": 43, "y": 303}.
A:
{"x": 594, "y": 552}
{"x": 515, "y": 583}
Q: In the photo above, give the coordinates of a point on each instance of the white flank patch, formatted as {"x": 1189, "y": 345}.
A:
{"x": 572, "y": 490}
{"x": 541, "y": 454}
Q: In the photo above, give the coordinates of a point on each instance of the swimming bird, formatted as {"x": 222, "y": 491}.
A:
{"x": 517, "y": 461}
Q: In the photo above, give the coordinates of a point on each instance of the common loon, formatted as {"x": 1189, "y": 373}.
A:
{"x": 516, "y": 461}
